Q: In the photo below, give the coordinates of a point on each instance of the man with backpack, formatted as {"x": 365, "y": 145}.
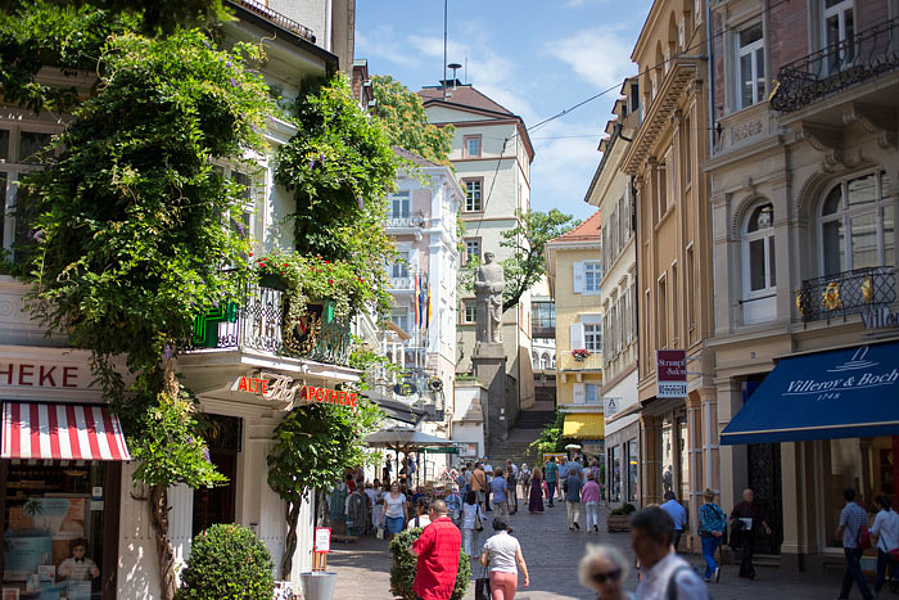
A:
{"x": 712, "y": 525}
{"x": 853, "y": 522}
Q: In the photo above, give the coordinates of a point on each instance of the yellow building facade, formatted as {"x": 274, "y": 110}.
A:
{"x": 574, "y": 270}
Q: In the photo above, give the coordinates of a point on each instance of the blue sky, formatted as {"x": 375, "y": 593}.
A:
{"x": 536, "y": 58}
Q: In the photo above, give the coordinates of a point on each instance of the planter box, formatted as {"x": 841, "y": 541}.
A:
{"x": 618, "y": 524}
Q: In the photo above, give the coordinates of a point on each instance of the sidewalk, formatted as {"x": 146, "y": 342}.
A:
{"x": 552, "y": 553}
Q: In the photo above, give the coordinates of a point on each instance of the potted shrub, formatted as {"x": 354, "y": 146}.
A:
{"x": 580, "y": 354}
{"x": 618, "y": 520}
{"x": 227, "y": 562}
{"x": 402, "y": 573}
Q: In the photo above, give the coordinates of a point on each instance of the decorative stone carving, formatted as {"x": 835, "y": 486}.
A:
{"x": 489, "y": 282}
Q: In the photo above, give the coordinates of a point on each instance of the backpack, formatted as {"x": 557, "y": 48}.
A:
{"x": 671, "y": 590}
{"x": 864, "y": 538}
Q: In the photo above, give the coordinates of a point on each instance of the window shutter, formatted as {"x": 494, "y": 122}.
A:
{"x": 580, "y": 393}
{"x": 577, "y": 336}
{"x": 578, "y": 277}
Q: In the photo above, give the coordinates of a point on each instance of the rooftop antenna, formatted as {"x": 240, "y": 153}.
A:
{"x": 466, "y": 69}
{"x": 445, "y": 12}
{"x": 455, "y": 67}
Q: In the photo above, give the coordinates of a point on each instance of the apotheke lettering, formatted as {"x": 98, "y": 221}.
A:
{"x": 38, "y": 375}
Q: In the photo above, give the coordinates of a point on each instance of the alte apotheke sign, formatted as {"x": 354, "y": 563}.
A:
{"x": 277, "y": 387}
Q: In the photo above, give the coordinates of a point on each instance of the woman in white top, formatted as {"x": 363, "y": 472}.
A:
{"x": 502, "y": 554}
{"x": 421, "y": 518}
{"x": 471, "y": 512}
{"x": 886, "y": 530}
{"x": 394, "y": 511}
{"x": 373, "y": 491}
{"x": 603, "y": 569}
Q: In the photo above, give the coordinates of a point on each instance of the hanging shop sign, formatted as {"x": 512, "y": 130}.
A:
{"x": 277, "y": 387}
{"x": 672, "y": 373}
{"x": 405, "y": 388}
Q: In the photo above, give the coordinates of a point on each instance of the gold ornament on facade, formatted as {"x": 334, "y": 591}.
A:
{"x": 800, "y": 305}
{"x": 868, "y": 289}
{"x": 830, "y": 298}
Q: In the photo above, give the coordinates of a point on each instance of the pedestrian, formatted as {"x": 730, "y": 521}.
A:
{"x": 421, "y": 518}
{"x": 590, "y": 499}
{"x": 747, "y": 520}
{"x": 886, "y": 530}
{"x": 488, "y": 472}
{"x": 551, "y": 470}
{"x": 572, "y": 488}
{"x": 454, "y": 504}
{"x": 394, "y": 513}
{"x": 438, "y": 549}
{"x": 472, "y": 523}
{"x": 524, "y": 480}
{"x": 385, "y": 474}
{"x": 498, "y": 489}
{"x": 852, "y": 518}
{"x": 373, "y": 493}
{"x": 712, "y": 524}
{"x": 535, "y": 496}
{"x": 563, "y": 475}
{"x": 664, "y": 574}
{"x": 462, "y": 479}
{"x": 503, "y": 557}
{"x": 677, "y": 513}
{"x": 603, "y": 569}
{"x": 511, "y": 474}
{"x": 478, "y": 483}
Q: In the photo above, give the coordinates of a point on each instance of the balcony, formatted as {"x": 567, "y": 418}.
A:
{"x": 401, "y": 284}
{"x": 260, "y": 322}
{"x": 868, "y": 54}
{"x": 261, "y": 10}
{"x": 405, "y": 221}
{"x": 849, "y": 293}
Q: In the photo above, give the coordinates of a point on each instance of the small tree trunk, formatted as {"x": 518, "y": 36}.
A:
{"x": 159, "y": 509}
{"x": 290, "y": 541}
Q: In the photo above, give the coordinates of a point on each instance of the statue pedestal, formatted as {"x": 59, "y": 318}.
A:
{"x": 489, "y": 362}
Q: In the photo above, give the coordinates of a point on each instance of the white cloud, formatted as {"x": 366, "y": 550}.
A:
{"x": 384, "y": 43}
{"x": 600, "y": 56}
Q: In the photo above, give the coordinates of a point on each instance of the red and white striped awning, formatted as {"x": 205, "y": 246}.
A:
{"x": 61, "y": 432}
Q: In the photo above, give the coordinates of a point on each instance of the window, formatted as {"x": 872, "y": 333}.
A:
{"x": 751, "y": 65}
{"x": 399, "y": 205}
{"x": 632, "y": 462}
{"x": 856, "y": 225}
{"x": 473, "y": 194}
{"x": 690, "y": 290}
{"x": 470, "y": 314}
{"x": 614, "y": 477}
{"x": 543, "y": 315}
{"x": 758, "y": 251}
{"x": 687, "y": 137}
{"x": 400, "y": 318}
{"x": 400, "y": 268}
{"x": 472, "y": 249}
{"x": 662, "y": 308}
{"x": 591, "y": 392}
{"x": 839, "y": 29}
{"x": 472, "y": 146}
{"x": 593, "y": 337}
{"x": 544, "y": 361}
{"x": 675, "y": 317}
{"x": 592, "y": 275}
{"x": 20, "y": 153}
{"x": 661, "y": 185}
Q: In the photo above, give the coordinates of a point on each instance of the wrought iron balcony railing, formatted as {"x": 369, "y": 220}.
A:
{"x": 401, "y": 283}
{"x": 865, "y": 55}
{"x": 261, "y": 321}
{"x": 848, "y": 293}
{"x": 259, "y": 8}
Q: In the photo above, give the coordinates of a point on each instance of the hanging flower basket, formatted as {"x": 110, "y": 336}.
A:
{"x": 581, "y": 354}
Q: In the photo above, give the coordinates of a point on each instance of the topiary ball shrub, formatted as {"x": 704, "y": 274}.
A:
{"x": 402, "y": 573}
{"x": 227, "y": 562}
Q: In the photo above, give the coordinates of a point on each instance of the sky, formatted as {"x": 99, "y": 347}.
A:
{"x": 536, "y": 58}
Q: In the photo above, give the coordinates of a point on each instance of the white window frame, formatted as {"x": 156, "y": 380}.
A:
{"x": 839, "y": 11}
{"x": 766, "y": 236}
{"x": 404, "y": 200}
{"x": 846, "y": 213}
{"x": 473, "y": 305}
{"x": 594, "y": 390}
{"x": 754, "y": 50}
{"x": 469, "y": 242}
{"x": 401, "y": 318}
{"x": 592, "y": 336}
{"x": 592, "y": 268}
{"x": 473, "y": 205}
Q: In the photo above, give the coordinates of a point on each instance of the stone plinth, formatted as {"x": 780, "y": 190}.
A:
{"x": 489, "y": 362}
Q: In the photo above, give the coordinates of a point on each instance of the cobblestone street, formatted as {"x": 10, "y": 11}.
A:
{"x": 552, "y": 554}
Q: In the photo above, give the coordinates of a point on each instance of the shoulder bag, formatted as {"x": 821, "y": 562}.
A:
{"x": 482, "y": 586}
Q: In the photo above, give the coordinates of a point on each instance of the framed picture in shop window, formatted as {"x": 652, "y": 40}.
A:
{"x": 9, "y": 594}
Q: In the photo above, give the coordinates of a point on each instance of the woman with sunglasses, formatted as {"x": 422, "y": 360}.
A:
{"x": 604, "y": 569}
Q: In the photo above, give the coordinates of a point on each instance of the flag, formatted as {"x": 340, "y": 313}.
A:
{"x": 415, "y": 298}
{"x": 428, "y": 314}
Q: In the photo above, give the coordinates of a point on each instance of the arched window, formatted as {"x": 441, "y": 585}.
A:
{"x": 553, "y": 361}
{"x": 535, "y": 360}
{"x": 544, "y": 361}
{"x": 856, "y": 225}
{"x": 758, "y": 251}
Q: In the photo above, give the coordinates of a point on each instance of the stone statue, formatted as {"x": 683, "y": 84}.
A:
{"x": 489, "y": 282}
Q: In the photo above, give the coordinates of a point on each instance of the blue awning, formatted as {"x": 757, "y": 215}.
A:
{"x": 837, "y": 394}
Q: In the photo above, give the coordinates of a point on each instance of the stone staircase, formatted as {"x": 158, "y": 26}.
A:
{"x": 515, "y": 446}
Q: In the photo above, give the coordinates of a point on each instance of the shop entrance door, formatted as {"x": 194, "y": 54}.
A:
{"x": 765, "y": 481}
{"x": 218, "y": 504}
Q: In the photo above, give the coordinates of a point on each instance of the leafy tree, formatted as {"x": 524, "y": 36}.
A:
{"x": 403, "y": 116}
{"x": 314, "y": 446}
{"x": 528, "y": 242}
{"x": 402, "y": 572}
{"x": 129, "y": 240}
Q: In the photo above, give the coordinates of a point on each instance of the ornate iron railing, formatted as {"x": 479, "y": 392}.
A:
{"x": 844, "y": 294}
{"x": 261, "y": 321}
{"x": 277, "y": 18}
{"x": 865, "y": 55}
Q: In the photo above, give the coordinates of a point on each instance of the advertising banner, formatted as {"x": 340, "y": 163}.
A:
{"x": 672, "y": 373}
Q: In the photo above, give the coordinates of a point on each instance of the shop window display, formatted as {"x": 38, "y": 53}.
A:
{"x": 54, "y": 530}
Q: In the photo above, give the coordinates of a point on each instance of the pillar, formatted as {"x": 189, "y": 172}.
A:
{"x": 651, "y": 450}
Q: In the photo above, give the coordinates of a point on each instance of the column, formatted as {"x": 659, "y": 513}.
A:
{"x": 651, "y": 474}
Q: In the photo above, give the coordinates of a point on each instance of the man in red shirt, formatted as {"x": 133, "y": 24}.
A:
{"x": 437, "y": 550}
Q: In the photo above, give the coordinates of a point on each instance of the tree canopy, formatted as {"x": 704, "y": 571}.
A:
{"x": 403, "y": 116}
